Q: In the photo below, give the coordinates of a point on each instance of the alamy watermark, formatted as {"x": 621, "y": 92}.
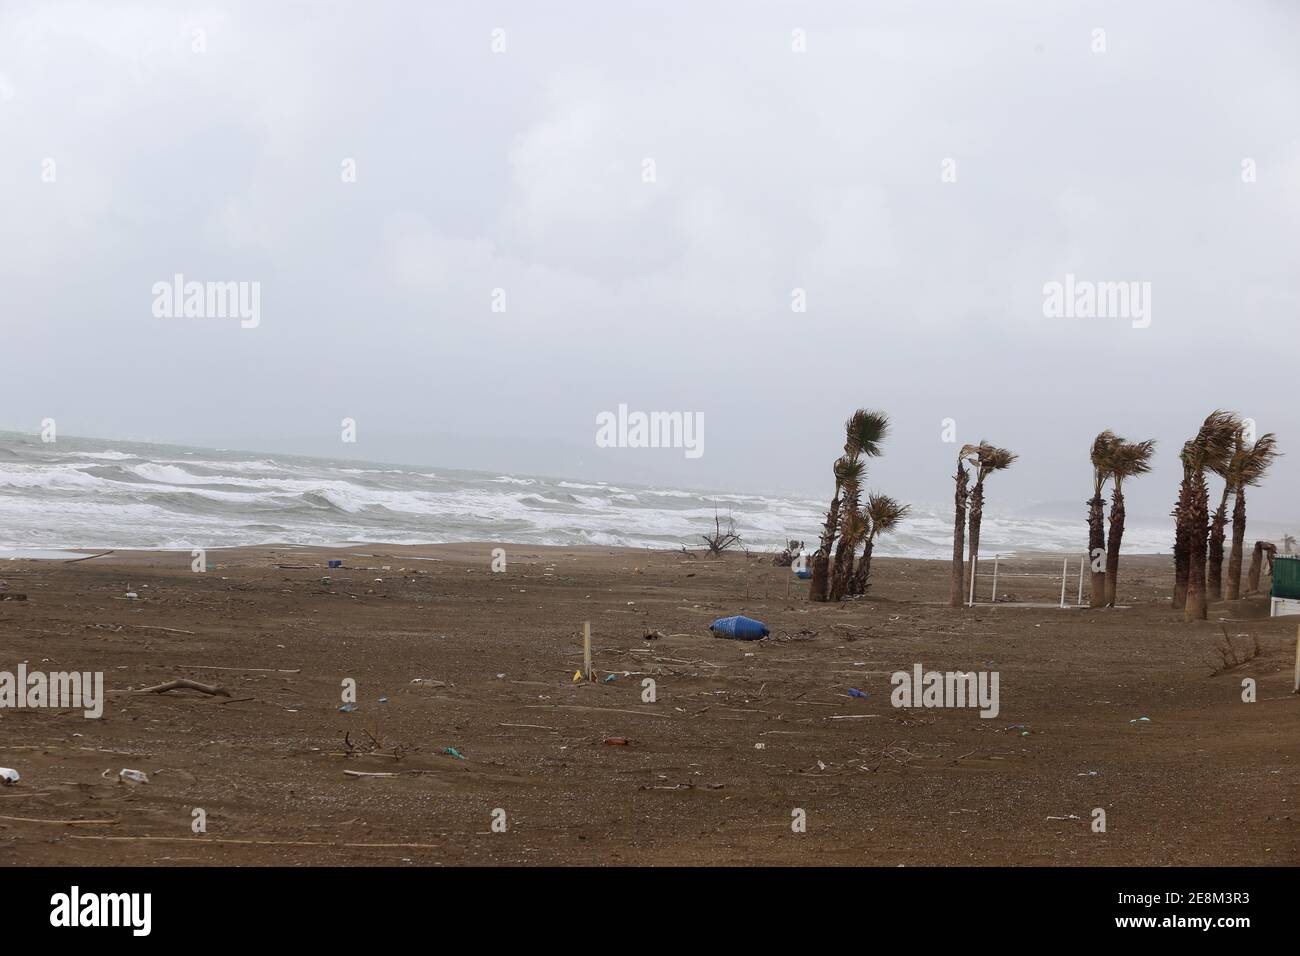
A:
{"x": 179, "y": 299}
{"x": 76, "y": 690}
{"x": 624, "y": 429}
{"x": 1085, "y": 299}
{"x": 922, "y": 688}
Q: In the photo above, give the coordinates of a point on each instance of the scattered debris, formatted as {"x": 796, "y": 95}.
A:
{"x": 618, "y": 741}
{"x": 88, "y": 557}
{"x": 1140, "y": 720}
{"x": 453, "y": 752}
{"x": 347, "y": 708}
{"x": 854, "y": 692}
{"x": 214, "y": 690}
{"x": 8, "y": 777}
{"x": 132, "y": 776}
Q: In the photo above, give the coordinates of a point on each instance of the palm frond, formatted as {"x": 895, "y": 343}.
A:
{"x": 1249, "y": 465}
{"x": 864, "y": 432}
{"x": 849, "y": 472}
{"x": 990, "y": 458}
{"x": 1132, "y": 458}
{"x": 883, "y": 514}
{"x": 1103, "y": 450}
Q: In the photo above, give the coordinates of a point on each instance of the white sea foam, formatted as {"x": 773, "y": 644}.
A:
{"x": 82, "y": 494}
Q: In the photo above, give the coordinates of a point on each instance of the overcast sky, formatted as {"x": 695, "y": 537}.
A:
{"x": 220, "y": 155}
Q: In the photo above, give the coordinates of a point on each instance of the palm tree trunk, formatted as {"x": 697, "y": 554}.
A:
{"x": 862, "y": 576}
{"x": 976, "y": 519}
{"x": 1182, "y": 545}
{"x": 820, "y": 583}
{"x": 1113, "y": 541}
{"x": 1096, "y": 543}
{"x": 1238, "y": 543}
{"x": 1198, "y": 521}
{"x": 842, "y": 568}
{"x": 1256, "y": 565}
{"x": 958, "y": 535}
{"x": 1214, "y": 574}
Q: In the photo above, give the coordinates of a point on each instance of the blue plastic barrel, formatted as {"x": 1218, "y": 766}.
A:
{"x": 739, "y": 628}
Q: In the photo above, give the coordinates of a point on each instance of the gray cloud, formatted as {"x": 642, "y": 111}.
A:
{"x": 774, "y": 170}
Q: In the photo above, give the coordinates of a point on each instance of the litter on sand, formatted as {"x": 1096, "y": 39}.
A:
{"x": 1140, "y": 720}
{"x": 453, "y": 752}
{"x": 739, "y": 628}
{"x": 8, "y": 777}
{"x": 854, "y": 692}
{"x": 132, "y": 776}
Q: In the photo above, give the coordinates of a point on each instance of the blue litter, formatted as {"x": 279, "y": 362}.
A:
{"x": 854, "y": 692}
{"x": 739, "y": 628}
{"x": 348, "y": 708}
{"x": 335, "y": 563}
{"x": 803, "y": 574}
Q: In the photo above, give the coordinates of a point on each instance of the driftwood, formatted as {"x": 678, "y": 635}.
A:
{"x": 720, "y": 540}
{"x": 215, "y": 690}
{"x": 88, "y": 557}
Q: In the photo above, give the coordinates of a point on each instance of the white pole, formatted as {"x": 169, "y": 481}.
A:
{"x": 973, "y": 559}
{"x": 1065, "y": 568}
{"x": 586, "y": 650}
{"x": 1081, "y": 560}
{"x": 1297, "y": 661}
{"x": 994, "y": 596}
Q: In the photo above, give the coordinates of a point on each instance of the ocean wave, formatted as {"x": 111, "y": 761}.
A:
{"x": 124, "y": 495}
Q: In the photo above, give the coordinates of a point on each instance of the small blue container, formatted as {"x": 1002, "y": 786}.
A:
{"x": 335, "y": 563}
{"x": 803, "y": 574}
{"x": 739, "y": 628}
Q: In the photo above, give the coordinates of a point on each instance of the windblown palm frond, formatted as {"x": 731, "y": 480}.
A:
{"x": 849, "y": 472}
{"x": 1131, "y": 458}
{"x": 1249, "y": 463}
{"x": 883, "y": 514}
{"x": 864, "y": 432}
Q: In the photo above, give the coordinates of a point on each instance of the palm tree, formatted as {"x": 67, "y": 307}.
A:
{"x": 881, "y": 515}
{"x": 1209, "y": 450}
{"x": 956, "y": 597}
{"x": 1246, "y": 468}
{"x": 1214, "y": 554}
{"x": 1103, "y": 449}
{"x": 851, "y": 530}
{"x": 863, "y": 433}
{"x": 1127, "y": 459}
{"x": 988, "y": 459}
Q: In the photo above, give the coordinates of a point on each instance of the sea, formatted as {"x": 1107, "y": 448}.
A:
{"x": 93, "y": 493}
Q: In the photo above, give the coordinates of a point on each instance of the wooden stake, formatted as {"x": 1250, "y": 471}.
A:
{"x": 586, "y": 650}
{"x": 1297, "y": 661}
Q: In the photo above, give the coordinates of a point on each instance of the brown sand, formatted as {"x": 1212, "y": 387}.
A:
{"x": 1209, "y": 780}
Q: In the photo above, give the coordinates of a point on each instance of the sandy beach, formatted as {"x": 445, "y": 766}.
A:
{"x": 449, "y": 656}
